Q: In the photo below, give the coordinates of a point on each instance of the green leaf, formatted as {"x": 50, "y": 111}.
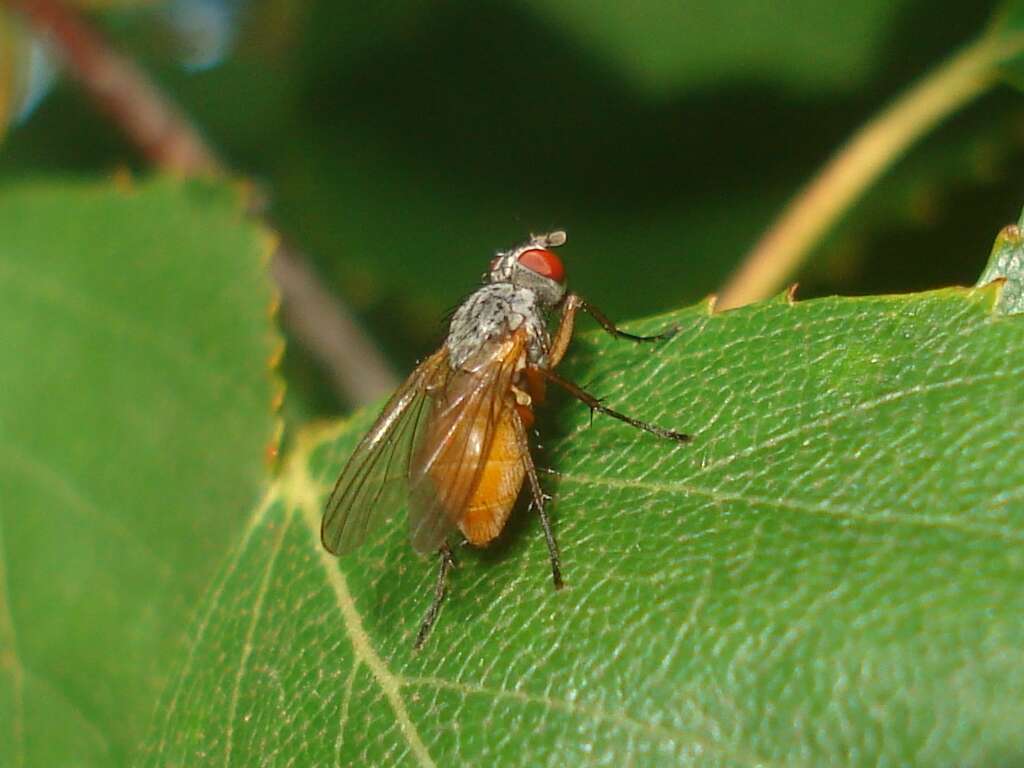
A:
{"x": 133, "y": 422}
{"x": 829, "y": 574}
{"x": 400, "y": 221}
{"x": 665, "y": 47}
{"x": 1006, "y": 263}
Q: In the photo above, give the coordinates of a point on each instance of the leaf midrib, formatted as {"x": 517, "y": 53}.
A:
{"x": 300, "y": 491}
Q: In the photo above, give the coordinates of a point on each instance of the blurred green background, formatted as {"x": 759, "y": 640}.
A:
{"x": 402, "y": 142}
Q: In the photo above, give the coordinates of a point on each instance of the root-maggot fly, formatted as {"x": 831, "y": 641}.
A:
{"x": 454, "y": 438}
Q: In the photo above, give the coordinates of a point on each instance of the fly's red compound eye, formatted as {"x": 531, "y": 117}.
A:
{"x": 544, "y": 263}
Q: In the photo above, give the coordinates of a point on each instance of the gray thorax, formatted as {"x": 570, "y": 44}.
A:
{"x": 493, "y": 312}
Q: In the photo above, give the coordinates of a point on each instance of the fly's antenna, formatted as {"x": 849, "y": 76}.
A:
{"x": 549, "y": 240}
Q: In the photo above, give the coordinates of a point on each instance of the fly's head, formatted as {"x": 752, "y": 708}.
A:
{"x": 534, "y": 266}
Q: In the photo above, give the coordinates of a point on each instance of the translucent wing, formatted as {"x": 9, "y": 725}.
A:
{"x": 446, "y": 467}
{"x": 374, "y": 481}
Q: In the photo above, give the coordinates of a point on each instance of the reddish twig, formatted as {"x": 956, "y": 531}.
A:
{"x": 326, "y": 326}
{"x": 165, "y": 136}
{"x": 149, "y": 120}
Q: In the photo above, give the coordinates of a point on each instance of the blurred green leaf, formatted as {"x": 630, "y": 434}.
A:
{"x": 1009, "y": 16}
{"x": 133, "y": 423}
{"x": 425, "y": 140}
{"x": 1007, "y": 263}
{"x": 667, "y": 47}
{"x": 829, "y": 574}
{"x": 403, "y": 147}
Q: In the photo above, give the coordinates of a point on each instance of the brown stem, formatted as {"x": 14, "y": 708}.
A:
{"x": 121, "y": 90}
{"x": 326, "y": 326}
{"x": 165, "y": 136}
{"x": 860, "y": 162}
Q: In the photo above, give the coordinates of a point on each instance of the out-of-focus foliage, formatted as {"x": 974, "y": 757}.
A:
{"x": 668, "y": 47}
{"x": 135, "y": 415}
{"x": 403, "y": 142}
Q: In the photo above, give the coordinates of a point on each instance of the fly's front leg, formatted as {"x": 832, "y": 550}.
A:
{"x": 538, "y": 501}
{"x": 614, "y": 330}
{"x": 560, "y": 343}
{"x": 573, "y": 304}
{"x": 447, "y": 562}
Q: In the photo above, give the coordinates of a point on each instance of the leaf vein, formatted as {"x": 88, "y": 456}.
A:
{"x": 304, "y": 495}
{"x": 581, "y": 711}
{"x": 843, "y": 513}
{"x": 56, "y": 483}
{"x": 257, "y": 612}
{"x": 84, "y": 308}
{"x": 866, "y": 405}
{"x": 346, "y": 698}
{"x": 218, "y": 592}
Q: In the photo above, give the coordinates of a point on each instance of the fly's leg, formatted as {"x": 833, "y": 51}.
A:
{"x": 615, "y": 331}
{"x": 538, "y": 502}
{"x": 596, "y": 405}
{"x": 563, "y": 335}
{"x": 447, "y": 562}
{"x": 572, "y": 305}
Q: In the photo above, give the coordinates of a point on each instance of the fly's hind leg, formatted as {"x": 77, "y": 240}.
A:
{"x": 537, "y": 501}
{"x": 446, "y": 563}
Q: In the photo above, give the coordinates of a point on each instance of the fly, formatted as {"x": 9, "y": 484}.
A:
{"x": 453, "y": 438}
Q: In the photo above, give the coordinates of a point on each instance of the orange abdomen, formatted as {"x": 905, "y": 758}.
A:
{"x": 500, "y": 480}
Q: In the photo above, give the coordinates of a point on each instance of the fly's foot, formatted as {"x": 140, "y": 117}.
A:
{"x": 556, "y": 576}
{"x": 446, "y": 561}
{"x": 668, "y": 333}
